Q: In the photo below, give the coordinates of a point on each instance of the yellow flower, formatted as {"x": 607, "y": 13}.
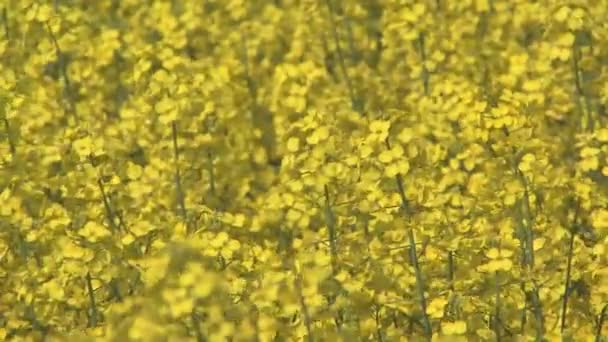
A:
{"x": 492, "y": 253}
{"x": 134, "y": 171}
{"x": 293, "y": 144}
{"x": 454, "y": 328}
{"x": 83, "y": 147}
{"x": 141, "y": 228}
{"x": 436, "y": 307}
{"x": 94, "y": 231}
{"x": 599, "y": 218}
{"x": 482, "y": 5}
{"x": 319, "y": 135}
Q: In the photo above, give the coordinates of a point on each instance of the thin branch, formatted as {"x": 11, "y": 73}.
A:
{"x": 305, "y": 312}
{"x": 330, "y": 221}
{"x": 5, "y": 23}
{"x": 211, "y": 173}
{"x": 420, "y": 285}
{"x": 524, "y": 312}
{"x": 497, "y": 309}
{"x": 115, "y": 290}
{"x": 580, "y": 88}
{"x": 328, "y": 58}
{"x": 341, "y": 61}
{"x": 425, "y": 72}
{"x": 30, "y": 315}
{"x": 354, "y": 54}
{"x": 106, "y": 204}
{"x": 178, "y": 179}
{"x": 451, "y": 270}
{"x": 568, "y": 274}
{"x": 378, "y": 323}
{"x": 600, "y": 323}
{"x": 9, "y": 137}
{"x": 93, "y": 314}
{"x": 245, "y": 60}
{"x": 62, "y": 63}
{"x": 528, "y": 249}
{"x": 197, "y": 328}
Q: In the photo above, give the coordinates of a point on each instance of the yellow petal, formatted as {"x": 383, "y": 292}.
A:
{"x": 293, "y": 144}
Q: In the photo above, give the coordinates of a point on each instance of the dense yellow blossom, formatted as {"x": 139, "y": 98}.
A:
{"x": 315, "y": 170}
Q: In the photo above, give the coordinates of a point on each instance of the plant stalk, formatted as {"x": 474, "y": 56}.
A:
{"x": 7, "y": 34}
{"x": 305, "y": 312}
{"x": 106, "y": 204}
{"x": 9, "y": 137}
{"x": 567, "y": 282}
{"x": 497, "y": 318}
{"x": 420, "y": 284}
{"x": 330, "y": 221}
{"x": 178, "y": 180}
{"x": 600, "y": 323}
{"x": 63, "y": 67}
{"x": 425, "y": 71}
{"x": 528, "y": 249}
{"x": 93, "y": 310}
{"x": 341, "y": 59}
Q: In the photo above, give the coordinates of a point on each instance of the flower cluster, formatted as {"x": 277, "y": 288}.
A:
{"x": 303, "y": 170}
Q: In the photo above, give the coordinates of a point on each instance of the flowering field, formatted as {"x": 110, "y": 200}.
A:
{"x": 303, "y": 170}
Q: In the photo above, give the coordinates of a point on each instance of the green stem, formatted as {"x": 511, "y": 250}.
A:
{"x": 528, "y": 249}
{"x": 63, "y": 67}
{"x": 106, "y": 204}
{"x": 245, "y": 60}
{"x": 538, "y": 315}
{"x": 211, "y": 173}
{"x": 583, "y": 101}
{"x": 305, "y": 312}
{"x": 5, "y": 23}
{"x": 354, "y": 54}
{"x": 197, "y": 328}
{"x": 420, "y": 284}
{"x": 451, "y": 270}
{"x": 425, "y": 72}
{"x": 524, "y": 312}
{"x": 178, "y": 179}
{"x": 341, "y": 61}
{"x": 378, "y": 323}
{"x": 377, "y": 53}
{"x": 578, "y": 84}
{"x": 330, "y": 221}
{"x": 567, "y": 282}
{"x": 115, "y": 290}
{"x": 93, "y": 313}
{"x": 9, "y": 137}
{"x": 497, "y": 318}
{"x": 528, "y": 226}
{"x": 600, "y": 323}
{"x": 328, "y": 58}
{"x": 30, "y": 315}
